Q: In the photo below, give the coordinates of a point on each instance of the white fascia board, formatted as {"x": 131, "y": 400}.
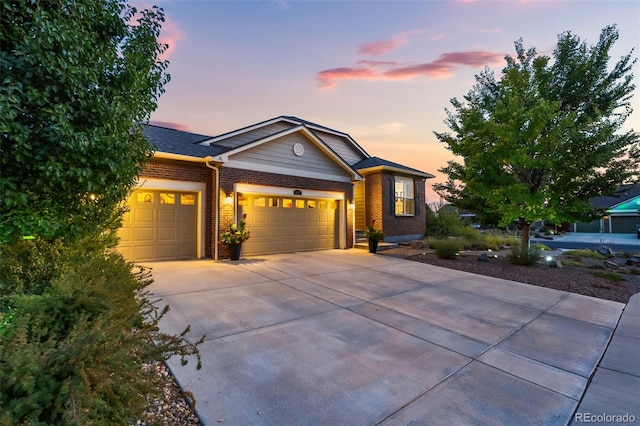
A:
{"x": 179, "y": 157}
{"x": 396, "y": 170}
{"x": 277, "y": 190}
{"x": 245, "y": 165}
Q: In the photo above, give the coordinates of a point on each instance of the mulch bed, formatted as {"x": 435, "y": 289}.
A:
{"x": 575, "y": 279}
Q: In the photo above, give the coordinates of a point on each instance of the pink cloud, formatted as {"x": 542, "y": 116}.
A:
{"x": 443, "y": 67}
{"x": 383, "y": 46}
{"x": 434, "y": 70}
{"x": 327, "y": 78}
{"x": 170, "y": 33}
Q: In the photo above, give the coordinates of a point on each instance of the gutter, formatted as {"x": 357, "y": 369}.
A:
{"x": 179, "y": 157}
{"x": 208, "y": 162}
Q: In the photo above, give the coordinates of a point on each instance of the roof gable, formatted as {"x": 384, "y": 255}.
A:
{"x": 341, "y": 143}
{"x": 275, "y": 153}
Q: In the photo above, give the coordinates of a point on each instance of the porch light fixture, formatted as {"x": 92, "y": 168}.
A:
{"x": 228, "y": 200}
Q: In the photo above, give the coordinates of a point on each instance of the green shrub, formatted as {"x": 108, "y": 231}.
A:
{"x": 585, "y": 253}
{"x": 446, "y": 249}
{"x": 497, "y": 241}
{"x": 540, "y": 247}
{"x": 72, "y": 352}
{"x": 569, "y": 262}
{"x": 614, "y": 278}
{"x": 446, "y": 223}
{"x": 529, "y": 257}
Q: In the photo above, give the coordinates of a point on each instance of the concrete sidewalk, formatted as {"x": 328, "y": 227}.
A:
{"x": 346, "y": 337}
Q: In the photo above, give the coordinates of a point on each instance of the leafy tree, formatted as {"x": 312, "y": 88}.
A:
{"x": 546, "y": 137}
{"x": 79, "y": 77}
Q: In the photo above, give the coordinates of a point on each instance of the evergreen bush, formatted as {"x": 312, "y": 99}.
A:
{"x": 72, "y": 352}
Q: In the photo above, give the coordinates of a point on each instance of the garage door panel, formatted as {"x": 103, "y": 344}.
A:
{"x": 143, "y": 216}
{"x": 143, "y": 235}
{"x": 166, "y": 251}
{"x": 166, "y": 234}
{"x": 155, "y": 230}
{"x": 168, "y": 216}
{"x": 307, "y": 225}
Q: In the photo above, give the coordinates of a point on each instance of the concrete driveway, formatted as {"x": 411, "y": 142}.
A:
{"x": 344, "y": 337}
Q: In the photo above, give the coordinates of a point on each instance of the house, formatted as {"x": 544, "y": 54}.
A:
{"x": 622, "y": 212}
{"x": 301, "y": 185}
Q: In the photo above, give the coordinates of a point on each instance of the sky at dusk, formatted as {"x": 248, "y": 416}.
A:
{"x": 381, "y": 71}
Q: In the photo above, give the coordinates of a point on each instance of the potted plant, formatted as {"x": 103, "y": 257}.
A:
{"x": 234, "y": 237}
{"x": 373, "y": 235}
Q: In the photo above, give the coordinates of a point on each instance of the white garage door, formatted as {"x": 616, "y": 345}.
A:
{"x": 284, "y": 224}
{"x": 160, "y": 225}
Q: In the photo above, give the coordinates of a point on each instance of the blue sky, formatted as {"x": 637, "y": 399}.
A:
{"x": 382, "y": 71}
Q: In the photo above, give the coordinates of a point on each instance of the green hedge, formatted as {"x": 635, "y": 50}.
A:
{"x": 72, "y": 352}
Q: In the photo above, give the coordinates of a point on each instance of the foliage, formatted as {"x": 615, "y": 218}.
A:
{"x": 579, "y": 253}
{"x": 472, "y": 238}
{"x": 569, "y": 262}
{"x": 237, "y": 233}
{"x": 446, "y": 249}
{"x": 79, "y": 77}
{"x": 614, "y": 278}
{"x": 540, "y": 247}
{"x": 73, "y": 352}
{"x": 443, "y": 224}
{"x": 545, "y": 138}
{"x": 496, "y": 241}
{"x": 371, "y": 233}
{"x": 526, "y": 257}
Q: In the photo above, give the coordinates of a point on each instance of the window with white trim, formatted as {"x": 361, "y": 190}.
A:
{"x": 404, "y": 197}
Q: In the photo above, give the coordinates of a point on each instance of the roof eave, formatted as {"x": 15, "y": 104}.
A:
{"x": 386, "y": 168}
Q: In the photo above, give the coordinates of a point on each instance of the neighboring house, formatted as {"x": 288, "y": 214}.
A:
{"x": 302, "y": 186}
{"x": 623, "y": 212}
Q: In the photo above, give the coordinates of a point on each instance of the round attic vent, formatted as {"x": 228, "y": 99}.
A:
{"x": 298, "y": 149}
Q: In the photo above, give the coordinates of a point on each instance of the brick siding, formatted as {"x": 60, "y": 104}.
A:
{"x": 194, "y": 172}
{"x": 379, "y": 200}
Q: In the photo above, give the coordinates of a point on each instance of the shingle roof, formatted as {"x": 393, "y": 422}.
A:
{"x": 379, "y": 162}
{"x": 622, "y": 194}
{"x": 179, "y": 142}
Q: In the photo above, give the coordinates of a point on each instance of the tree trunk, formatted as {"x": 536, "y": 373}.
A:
{"x": 524, "y": 226}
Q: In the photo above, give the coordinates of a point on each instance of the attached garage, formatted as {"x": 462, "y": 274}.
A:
{"x": 160, "y": 225}
{"x": 624, "y": 224}
{"x": 288, "y": 224}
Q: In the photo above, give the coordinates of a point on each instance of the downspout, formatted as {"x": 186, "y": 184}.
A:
{"x": 207, "y": 161}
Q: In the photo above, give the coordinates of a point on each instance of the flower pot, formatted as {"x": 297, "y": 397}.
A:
{"x": 234, "y": 251}
{"x": 373, "y": 245}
